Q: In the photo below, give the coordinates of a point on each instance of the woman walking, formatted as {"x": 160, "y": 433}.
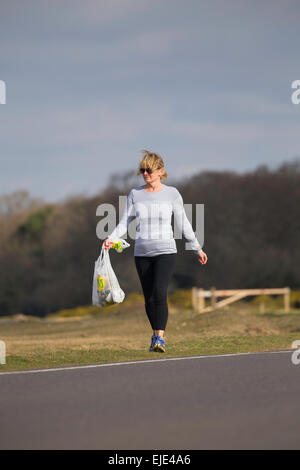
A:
{"x": 154, "y": 253}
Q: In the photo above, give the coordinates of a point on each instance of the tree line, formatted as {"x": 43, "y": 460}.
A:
{"x": 251, "y": 237}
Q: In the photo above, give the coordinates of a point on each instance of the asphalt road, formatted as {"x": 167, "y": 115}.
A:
{"x": 224, "y": 402}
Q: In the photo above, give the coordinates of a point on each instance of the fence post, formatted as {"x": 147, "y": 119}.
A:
{"x": 201, "y": 301}
{"x": 213, "y": 297}
{"x": 287, "y": 299}
{"x": 194, "y": 298}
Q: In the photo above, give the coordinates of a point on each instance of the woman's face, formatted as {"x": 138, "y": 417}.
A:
{"x": 154, "y": 177}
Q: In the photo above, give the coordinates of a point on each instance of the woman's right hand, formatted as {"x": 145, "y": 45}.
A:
{"x": 202, "y": 257}
{"x": 108, "y": 243}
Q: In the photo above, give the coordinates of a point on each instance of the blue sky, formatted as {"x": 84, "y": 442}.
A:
{"x": 207, "y": 84}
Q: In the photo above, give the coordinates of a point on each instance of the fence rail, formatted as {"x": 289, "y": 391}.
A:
{"x": 199, "y": 294}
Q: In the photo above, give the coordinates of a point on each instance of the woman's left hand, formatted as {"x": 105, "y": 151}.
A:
{"x": 202, "y": 258}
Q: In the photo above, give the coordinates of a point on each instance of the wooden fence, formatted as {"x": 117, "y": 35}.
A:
{"x": 199, "y": 294}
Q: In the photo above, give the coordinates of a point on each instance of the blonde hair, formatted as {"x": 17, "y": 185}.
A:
{"x": 152, "y": 161}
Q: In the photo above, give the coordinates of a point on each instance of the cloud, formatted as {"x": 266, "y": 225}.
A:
{"x": 204, "y": 83}
{"x": 83, "y": 126}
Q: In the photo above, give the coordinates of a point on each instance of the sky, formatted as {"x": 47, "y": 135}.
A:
{"x": 206, "y": 84}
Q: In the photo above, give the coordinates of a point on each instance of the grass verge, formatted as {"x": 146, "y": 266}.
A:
{"x": 122, "y": 333}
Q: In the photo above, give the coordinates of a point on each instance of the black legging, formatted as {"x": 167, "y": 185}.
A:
{"x": 155, "y": 273}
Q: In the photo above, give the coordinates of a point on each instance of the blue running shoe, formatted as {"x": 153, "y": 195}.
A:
{"x": 153, "y": 339}
{"x": 159, "y": 344}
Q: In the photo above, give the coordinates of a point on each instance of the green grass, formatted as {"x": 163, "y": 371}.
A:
{"x": 41, "y": 358}
{"x": 121, "y": 332}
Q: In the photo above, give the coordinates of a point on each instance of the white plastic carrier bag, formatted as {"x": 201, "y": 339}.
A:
{"x": 106, "y": 287}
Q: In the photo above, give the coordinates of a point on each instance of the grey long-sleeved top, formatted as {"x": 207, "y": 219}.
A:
{"x": 153, "y": 213}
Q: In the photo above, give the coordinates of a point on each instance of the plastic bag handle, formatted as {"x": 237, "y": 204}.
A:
{"x": 102, "y": 252}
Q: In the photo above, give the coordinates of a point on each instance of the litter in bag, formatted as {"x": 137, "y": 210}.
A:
{"x": 120, "y": 245}
{"x": 106, "y": 287}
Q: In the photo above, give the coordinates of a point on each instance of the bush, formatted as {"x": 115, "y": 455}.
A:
{"x": 181, "y": 298}
{"x": 87, "y": 310}
{"x": 269, "y": 301}
{"x": 34, "y": 226}
{"x": 295, "y": 298}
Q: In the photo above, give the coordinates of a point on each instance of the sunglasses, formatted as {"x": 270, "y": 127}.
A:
{"x": 149, "y": 171}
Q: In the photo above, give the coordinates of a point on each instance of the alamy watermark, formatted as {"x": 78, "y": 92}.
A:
{"x": 2, "y": 92}
{"x": 295, "y": 96}
{"x": 160, "y": 216}
{"x": 2, "y": 352}
{"x": 296, "y": 354}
